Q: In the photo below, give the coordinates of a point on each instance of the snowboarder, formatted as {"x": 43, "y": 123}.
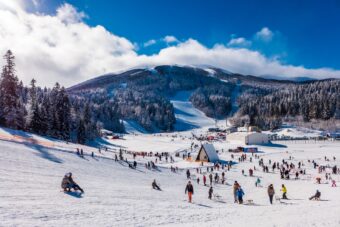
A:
{"x": 210, "y": 192}
{"x": 271, "y": 193}
{"x": 68, "y": 183}
{"x": 190, "y": 189}
{"x": 155, "y": 185}
{"x": 284, "y": 192}
{"x": 316, "y": 196}
{"x": 240, "y": 194}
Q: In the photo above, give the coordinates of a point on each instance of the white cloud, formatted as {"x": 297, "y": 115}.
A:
{"x": 63, "y": 48}
{"x": 68, "y": 14}
{"x": 150, "y": 43}
{"x": 170, "y": 39}
{"x": 239, "y": 42}
{"x": 265, "y": 34}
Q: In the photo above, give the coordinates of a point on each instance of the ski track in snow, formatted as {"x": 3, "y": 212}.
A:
{"x": 118, "y": 196}
{"x": 187, "y": 116}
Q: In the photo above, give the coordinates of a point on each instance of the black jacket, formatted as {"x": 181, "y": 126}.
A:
{"x": 189, "y": 188}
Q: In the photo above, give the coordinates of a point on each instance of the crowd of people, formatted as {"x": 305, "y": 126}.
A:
{"x": 287, "y": 169}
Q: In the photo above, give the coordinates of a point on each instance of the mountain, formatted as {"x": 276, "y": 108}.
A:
{"x": 144, "y": 96}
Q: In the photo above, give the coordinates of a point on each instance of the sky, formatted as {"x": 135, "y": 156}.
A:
{"x": 75, "y": 40}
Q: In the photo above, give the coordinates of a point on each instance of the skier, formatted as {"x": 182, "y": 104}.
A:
{"x": 271, "y": 193}
{"x": 316, "y": 196}
{"x": 210, "y": 178}
{"x": 68, "y": 183}
{"x": 155, "y": 185}
{"x": 284, "y": 192}
{"x": 188, "y": 174}
{"x": 190, "y": 189}
{"x": 235, "y": 187}
{"x": 198, "y": 180}
{"x": 204, "y": 180}
{"x": 240, "y": 194}
{"x": 210, "y": 192}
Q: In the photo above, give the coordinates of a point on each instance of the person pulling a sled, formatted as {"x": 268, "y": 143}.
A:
{"x": 68, "y": 183}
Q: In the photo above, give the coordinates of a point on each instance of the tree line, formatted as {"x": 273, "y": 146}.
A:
{"x": 44, "y": 111}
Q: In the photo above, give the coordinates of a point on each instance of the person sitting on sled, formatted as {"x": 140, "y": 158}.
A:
{"x": 68, "y": 183}
{"x": 155, "y": 186}
{"x": 316, "y": 196}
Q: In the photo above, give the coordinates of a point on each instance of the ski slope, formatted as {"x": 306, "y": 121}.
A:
{"x": 115, "y": 195}
{"x": 187, "y": 116}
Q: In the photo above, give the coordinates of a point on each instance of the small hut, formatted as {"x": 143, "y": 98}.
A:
{"x": 207, "y": 153}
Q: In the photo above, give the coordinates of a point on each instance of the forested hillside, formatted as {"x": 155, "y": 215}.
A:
{"x": 143, "y": 95}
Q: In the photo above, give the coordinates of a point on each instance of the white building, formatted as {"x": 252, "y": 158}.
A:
{"x": 248, "y": 138}
{"x": 207, "y": 153}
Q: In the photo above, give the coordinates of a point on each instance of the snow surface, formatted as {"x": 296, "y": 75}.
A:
{"x": 31, "y": 169}
{"x": 188, "y": 117}
{"x": 296, "y": 132}
{"x": 132, "y": 127}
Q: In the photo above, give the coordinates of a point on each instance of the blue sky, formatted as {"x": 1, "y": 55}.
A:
{"x": 309, "y": 30}
{"x": 70, "y": 41}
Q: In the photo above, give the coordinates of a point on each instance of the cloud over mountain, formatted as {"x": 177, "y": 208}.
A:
{"x": 62, "y": 47}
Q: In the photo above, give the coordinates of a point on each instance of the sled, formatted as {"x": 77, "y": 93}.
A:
{"x": 76, "y": 194}
{"x": 249, "y": 202}
{"x": 278, "y": 198}
{"x": 217, "y": 197}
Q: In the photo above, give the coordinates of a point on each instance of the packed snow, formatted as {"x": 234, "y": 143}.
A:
{"x": 187, "y": 116}
{"x": 32, "y": 167}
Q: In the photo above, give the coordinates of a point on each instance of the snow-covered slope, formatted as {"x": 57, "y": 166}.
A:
{"x": 115, "y": 195}
{"x": 187, "y": 116}
{"x": 296, "y": 132}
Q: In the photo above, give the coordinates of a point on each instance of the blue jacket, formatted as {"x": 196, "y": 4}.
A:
{"x": 240, "y": 192}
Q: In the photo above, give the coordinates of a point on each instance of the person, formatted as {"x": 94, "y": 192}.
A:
{"x": 258, "y": 182}
{"x": 155, "y": 185}
{"x": 235, "y": 187}
{"x": 333, "y": 183}
{"x": 198, "y": 180}
{"x": 284, "y": 192}
{"x": 271, "y": 193}
{"x": 68, "y": 183}
{"x": 190, "y": 190}
{"x": 210, "y": 192}
{"x": 318, "y": 180}
{"x": 204, "y": 180}
{"x": 316, "y": 196}
{"x": 188, "y": 174}
{"x": 240, "y": 194}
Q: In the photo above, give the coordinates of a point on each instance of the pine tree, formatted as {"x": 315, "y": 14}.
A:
{"x": 9, "y": 94}
{"x": 81, "y": 134}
